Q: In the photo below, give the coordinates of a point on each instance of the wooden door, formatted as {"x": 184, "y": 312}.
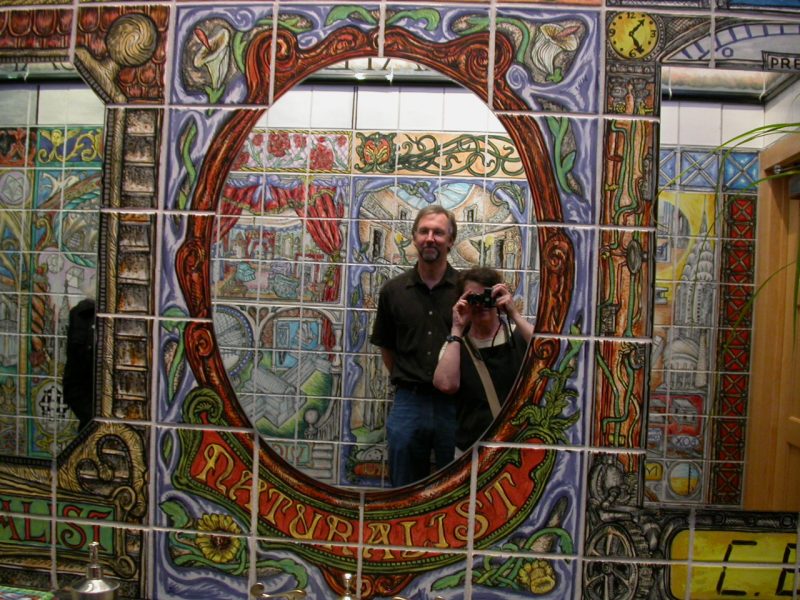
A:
{"x": 772, "y": 471}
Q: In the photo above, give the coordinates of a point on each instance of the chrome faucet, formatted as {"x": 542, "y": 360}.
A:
{"x": 258, "y": 592}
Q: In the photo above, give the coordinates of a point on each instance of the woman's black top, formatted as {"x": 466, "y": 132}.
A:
{"x": 503, "y": 362}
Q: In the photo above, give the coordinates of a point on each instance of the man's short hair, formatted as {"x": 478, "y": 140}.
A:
{"x": 435, "y": 209}
{"x": 485, "y": 276}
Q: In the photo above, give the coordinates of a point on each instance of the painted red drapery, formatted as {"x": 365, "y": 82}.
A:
{"x": 320, "y": 213}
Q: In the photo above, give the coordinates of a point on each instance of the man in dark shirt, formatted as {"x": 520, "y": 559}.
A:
{"x": 414, "y": 319}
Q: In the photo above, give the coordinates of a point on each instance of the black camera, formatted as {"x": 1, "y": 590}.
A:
{"x": 485, "y": 299}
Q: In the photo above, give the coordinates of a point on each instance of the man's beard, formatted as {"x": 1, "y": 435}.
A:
{"x": 430, "y": 254}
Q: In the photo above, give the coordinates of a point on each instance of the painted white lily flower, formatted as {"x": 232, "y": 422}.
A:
{"x": 214, "y": 54}
{"x": 551, "y": 40}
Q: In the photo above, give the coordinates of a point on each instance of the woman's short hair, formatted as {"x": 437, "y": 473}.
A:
{"x": 485, "y": 276}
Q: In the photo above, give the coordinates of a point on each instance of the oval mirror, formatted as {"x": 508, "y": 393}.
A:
{"x": 316, "y": 215}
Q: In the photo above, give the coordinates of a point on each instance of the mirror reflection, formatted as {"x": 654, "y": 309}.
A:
{"x": 316, "y": 216}
{"x": 704, "y": 279}
{"x": 50, "y": 182}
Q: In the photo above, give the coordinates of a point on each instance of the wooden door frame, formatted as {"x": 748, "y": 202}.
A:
{"x": 774, "y": 369}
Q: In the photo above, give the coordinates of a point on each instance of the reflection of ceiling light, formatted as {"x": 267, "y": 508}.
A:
{"x": 390, "y": 75}
{"x": 360, "y": 75}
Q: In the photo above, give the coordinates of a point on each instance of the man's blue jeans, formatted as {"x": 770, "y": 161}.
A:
{"x": 419, "y": 421}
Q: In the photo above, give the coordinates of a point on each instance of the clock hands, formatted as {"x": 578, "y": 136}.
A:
{"x": 632, "y": 35}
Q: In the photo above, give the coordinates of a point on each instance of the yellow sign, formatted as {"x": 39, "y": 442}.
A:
{"x": 739, "y": 570}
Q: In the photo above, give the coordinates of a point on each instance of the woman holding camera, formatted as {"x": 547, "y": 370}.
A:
{"x": 483, "y": 353}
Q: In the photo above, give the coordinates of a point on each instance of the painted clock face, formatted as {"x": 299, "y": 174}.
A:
{"x": 633, "y": 34}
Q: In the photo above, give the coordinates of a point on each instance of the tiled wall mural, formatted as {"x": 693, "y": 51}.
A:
{"x": 50, "y": 195}
{"x": 178, "y": 478}
{"x": 700, "y": 361}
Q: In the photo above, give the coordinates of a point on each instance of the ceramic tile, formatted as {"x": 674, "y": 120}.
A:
{"x": 782, "y": 109}
{"x": 328, "y": 19}
{"x": 617, "y": 578}
{"x": 740, "y": 171}
{"x": 16, "y": 578}
{"x": 511, "y": 576}
{"x": 191, "y": 133}
{"x": 16, "y": 194}
{"x": 738, "y": 555}
{"x": 18, "y": 107}
{"x": 623, "y": 303}
{"x": 210, "y": 461}
{"x": 71, "y": 104}
{"x": 298, "y": 150}
{"x": 364, "y": 465}
{"x": 213, "y": 559}
{"x": 734, "y": 352}
{"x": 19, "y": 146}
{"x": 629, "y": 153}
{"x": 100, "y": 31}
{"x": 11, "y": 402}
{"x": 176, "y": 378}
{"x": 293, "y": 110}
{"x": 569, "y": 386}
{"x": 733, "y": 394}
{"x": 113, "y": 454}
{"x": 740, "y": 217}
{"x": 738, "y": 262}
{"x": 681, "y": 481}
{"x": 564, "y": 196}
{"x": 464, "y": 111}
{"x": 438, "y": 154}
{"x": 440, "y": 25}
{"x": 119, "y": 554}
{"x": 332, "y": 107}
{"x": 738, "y": 120}
{"x": 667, "y": 173}
{"x": 727, "y": 481}
{"x": 26, "y": 593}
{"x": 739, "y": 42}
{"x": 205, "y": 57}
{"x": 579, "y": 314}
{"x": 279, "y": 569}
{"x": 533, "y": 71}
{"x": 700, "y": 124}
{"x": 21, "y": 33}
{"x": 729, "y": 436}
{"x": 619, "y": 424}
{"x": 668, "y": 126}
{"x": 421, "y": 108}
{"x": 378, "y": 109}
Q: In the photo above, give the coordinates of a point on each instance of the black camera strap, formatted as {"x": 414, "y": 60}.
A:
{"x": 483, "y": 373}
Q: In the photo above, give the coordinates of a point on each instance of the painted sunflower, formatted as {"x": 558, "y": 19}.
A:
{"x": 218, "y": 548}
